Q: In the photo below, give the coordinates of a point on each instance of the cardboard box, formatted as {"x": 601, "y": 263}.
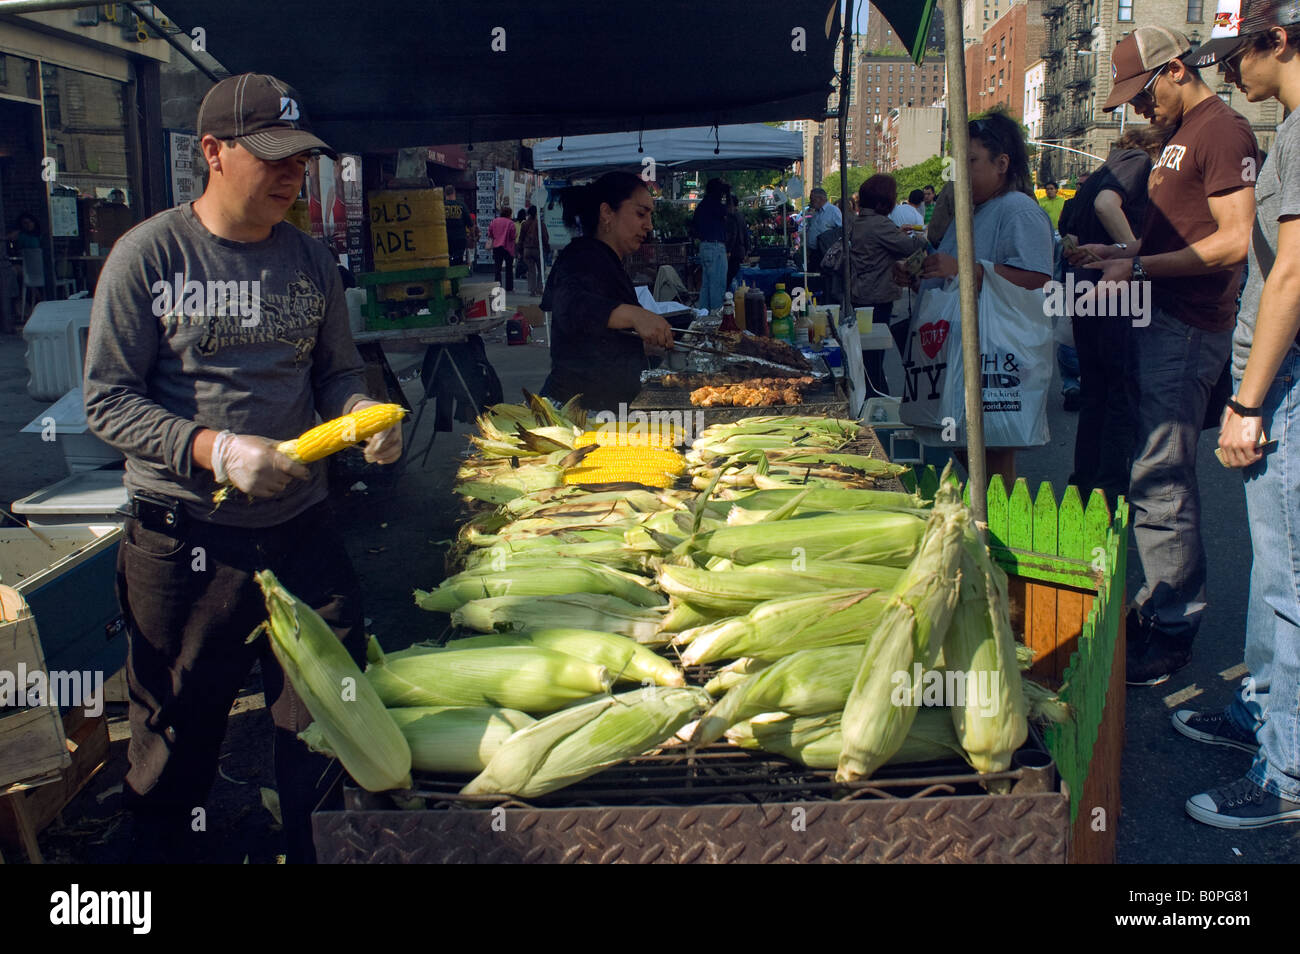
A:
{"x": 533, "y": 314}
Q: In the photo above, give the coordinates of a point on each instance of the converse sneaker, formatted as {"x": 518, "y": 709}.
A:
{"x": 1242, "y": 804}
{"x": 1215, "y": 728}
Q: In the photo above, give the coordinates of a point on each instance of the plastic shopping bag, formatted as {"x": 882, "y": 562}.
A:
{"x": 1016, "y": 349}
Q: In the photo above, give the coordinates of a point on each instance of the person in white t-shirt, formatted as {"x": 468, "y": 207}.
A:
{"x": 910, "y": 215}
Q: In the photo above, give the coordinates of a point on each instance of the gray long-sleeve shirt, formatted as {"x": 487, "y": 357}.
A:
{"x": 189, "y": 330}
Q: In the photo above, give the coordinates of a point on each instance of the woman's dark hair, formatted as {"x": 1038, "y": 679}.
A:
{"x": 28, "y": 217}
{"x": 716, "y": 189}
{"x": 879, "y": 194}
{"x": 1145, "y": 136}
{"x": 1002, "y": 136}
{"x": 505, "y": 212}
{"x": 532, "y": 211}
{"x": 582, "y": 203}
{"x": 523, "y": 214}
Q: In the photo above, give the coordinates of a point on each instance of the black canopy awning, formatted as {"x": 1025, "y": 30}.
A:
{"x": 410, "y": 72}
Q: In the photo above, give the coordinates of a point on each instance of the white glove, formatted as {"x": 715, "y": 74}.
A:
{"x": 384, "y": 447}
{"x": 253, "y": 464}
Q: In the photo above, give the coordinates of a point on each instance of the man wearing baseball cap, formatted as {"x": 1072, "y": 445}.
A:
{"x": 1191, "y": 248}
{"x": 217, "y": 331}
{"x": 1257, "y": 45}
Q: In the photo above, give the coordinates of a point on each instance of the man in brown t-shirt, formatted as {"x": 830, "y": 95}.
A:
{"x": 1195, "y": 234}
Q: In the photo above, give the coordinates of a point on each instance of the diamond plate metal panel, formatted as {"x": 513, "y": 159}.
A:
{"x": 991, "y": 829}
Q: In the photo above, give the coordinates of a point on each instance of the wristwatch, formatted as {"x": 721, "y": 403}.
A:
{"x": 1241, "y": 410}
{"x": 1139, "y": 273}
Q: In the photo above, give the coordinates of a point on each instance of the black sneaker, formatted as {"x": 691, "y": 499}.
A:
{"x": 1243, "y": 804}
{"x": 1214, "y": 728}
{"x": 1155, "y": 666}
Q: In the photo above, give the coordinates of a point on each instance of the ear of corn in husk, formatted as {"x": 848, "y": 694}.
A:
{"x": 783, "y": 626}
{"x": 626, "y": 660}
{"x": 911, "y": 631}
{"x": 528, "y": 678}
{"x": 862, "y": 536}
{"x": 815, "y": 499}
{"x": 733, "y": 674}
{"x": 815, "y": 741}
{"x": 739, "y": 590}
{"x": 456, "y": 739}
{"x": 989, "y": 715}
{"x": 808, "y": 682}
{"x": 347, "y": 712}
{"x": 596, "y": 611}
{"x": 559, "y": 576}
{"x": 580, "y": 741}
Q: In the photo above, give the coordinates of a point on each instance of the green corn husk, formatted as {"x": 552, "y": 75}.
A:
{"x": 989, "y": 716}
{"x": 1043, "y": 704}
{"x": 554, "y": 578}
{"x": 580, "y": 741}
{"x": 816, "y": 740}
{"x": 457, "y": 739}
{"x": 507, "y": 485}
{"x": 503, "y": 557}
{"x": 809, "y": 682}
{"x": 860, "y": 536}
{"x": 820, "y": 500}
{"x": 626, "y": 659}
{"x": 780, "y": 627}
{"x": 737, "y": 591}
{"x": 528, "y": 678}
{"x": 733, "y": 674}
{"x": 348, "y": 714}
{"x": 683, "y": 617}
{"x": 911, "y": 631}
{"x": 596, "y": 611}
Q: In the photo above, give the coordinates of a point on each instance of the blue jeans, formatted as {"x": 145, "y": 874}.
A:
{"x": 1067, "y": 360}
{"x": 713, "y": 260}
{"x": 1269, "y": 702}
{"x": 1175, "y": 367}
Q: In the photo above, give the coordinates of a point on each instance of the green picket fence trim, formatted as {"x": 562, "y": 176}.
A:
{"x": 1073, "y": 545}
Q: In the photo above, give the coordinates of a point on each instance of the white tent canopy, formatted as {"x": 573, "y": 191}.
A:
{"x": 748, "y": 146}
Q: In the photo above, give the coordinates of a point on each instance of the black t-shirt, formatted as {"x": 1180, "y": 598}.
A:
{"x": 457, "y": 222}
{"x": 1125, "y": 172}
{"x": 587, "y": 356}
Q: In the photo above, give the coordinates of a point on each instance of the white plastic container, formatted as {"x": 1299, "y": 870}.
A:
{"x": 55, "y": 333}
{"x": 90, "y": 499}
{"x": 65, "y": 422}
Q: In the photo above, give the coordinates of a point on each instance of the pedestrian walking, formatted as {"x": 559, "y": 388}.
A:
{"x": 501, "y": 233}
{"x": 709, "y": 226}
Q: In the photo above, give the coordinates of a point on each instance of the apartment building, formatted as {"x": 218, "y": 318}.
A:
{"x": 996, "y": 65}
{"x": 977, "y": 16}
{"x": 1032, "y": 113}
{"x": 909, "y": 135}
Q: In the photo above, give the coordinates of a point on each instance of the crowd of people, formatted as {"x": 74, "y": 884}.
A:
{"x": 1189, "y": 216}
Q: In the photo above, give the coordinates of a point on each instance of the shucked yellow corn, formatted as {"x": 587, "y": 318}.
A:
{"x": 610, "y": 463}
{"x": 332, "y": 436}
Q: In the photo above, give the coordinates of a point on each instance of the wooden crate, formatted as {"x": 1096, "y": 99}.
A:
{"x": 26, "y": 810}
{"x": 31, "y": 739}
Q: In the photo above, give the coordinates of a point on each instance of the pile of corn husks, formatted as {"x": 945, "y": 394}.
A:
{"x": 816, "y": 591}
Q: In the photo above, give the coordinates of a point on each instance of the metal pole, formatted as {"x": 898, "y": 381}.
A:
{"x": 173, "y": 42}
{"x": 964, "y": 223}
{"x": 846, "y": 87}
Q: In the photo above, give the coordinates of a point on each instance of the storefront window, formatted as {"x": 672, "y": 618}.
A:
{"x": 90, "y": 199}
{"x": 18, "y": 77}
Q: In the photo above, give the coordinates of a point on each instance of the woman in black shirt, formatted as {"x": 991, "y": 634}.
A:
{"x": 592, "y": 301}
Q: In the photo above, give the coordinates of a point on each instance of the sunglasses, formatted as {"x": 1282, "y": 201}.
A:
{"x": 1145, "y": 96}
{"x": 1230, "y": 66}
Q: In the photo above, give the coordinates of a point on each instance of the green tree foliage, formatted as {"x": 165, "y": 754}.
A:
{"x": 747, "y": 182}
{"x": 856, "y": 176}
{"x": 926, "y": 173}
